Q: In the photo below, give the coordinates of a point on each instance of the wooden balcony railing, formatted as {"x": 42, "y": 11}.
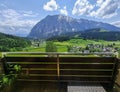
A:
{"x": 65, "y": 67}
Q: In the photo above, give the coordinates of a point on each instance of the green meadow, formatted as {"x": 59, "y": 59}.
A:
{"x": 0, "y": 54}
{"x": 62, "y": 46}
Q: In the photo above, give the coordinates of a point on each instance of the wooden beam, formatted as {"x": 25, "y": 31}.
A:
{"x": 58, "y": 65}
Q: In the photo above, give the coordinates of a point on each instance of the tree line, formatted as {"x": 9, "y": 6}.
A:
{"x": 9, "y": 42}
{"x": 108, "y": 36}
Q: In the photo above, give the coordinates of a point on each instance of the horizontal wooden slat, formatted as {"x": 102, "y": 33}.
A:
{"x": 37, "y": 80}
{"x": 28, "y": 63}
{"x": 70, "y": 75}
{"x": 86, "y": 66}
{"x": 43, "y": 69}
{"x": 88, "y": 59}
{"x": 39, "y": 77}
{"x": 47, "y": 66}
{"x": 40, "y": 71}
{"x": 31, "y": 59}
{"x": 42, "y": 74}
{"x": 85, "y": 78}
{"x": 85, "y": 63}
{"x": 84, "y": 81}
{"x": 72, "y": 70}
{"x": 86, "y": 72}
{"x": 89, "y": 70}
{"x": 87, "y": 75}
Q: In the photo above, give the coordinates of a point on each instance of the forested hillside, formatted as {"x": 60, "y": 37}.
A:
{"x": 12, "y": 43}
{"x": 98, "y": 34}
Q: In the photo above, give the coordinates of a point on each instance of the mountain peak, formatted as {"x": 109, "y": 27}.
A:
{"x": 61, "y": 17}
{"x": 54, "y": 25}
{"x": 68, "y": 19}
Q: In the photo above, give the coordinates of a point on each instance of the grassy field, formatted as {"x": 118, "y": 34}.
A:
{"x": 34, "y": 49}
{"x": 62, "y": 46}
{"x": 0, "y": 54}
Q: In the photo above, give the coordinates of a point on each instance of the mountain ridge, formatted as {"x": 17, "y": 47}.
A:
{"x": 53, "y": 25}
{"x": 91, "y": 34}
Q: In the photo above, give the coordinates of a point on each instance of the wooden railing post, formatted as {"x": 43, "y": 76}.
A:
{"x": 114, "y": 74}
{"x": 58, "y": 73}
{"x": 118, "y": 75}
{"x": 58, "y": 66}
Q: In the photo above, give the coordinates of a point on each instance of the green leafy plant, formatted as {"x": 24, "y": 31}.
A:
{"x": 11, "y": 76}
{"x": 17, "y": 68}
{"x": 14, "y": 69}
{"x": 5, "y": 80}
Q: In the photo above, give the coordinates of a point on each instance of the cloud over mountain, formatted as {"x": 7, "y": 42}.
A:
{"x": 102, "y": 8}
{"x": 117, "y": 23}
{"x": 50, "y": 6}
{"x": 64, "y": 11}
{"x": 16, "y": 23}
{"x": 82, "y": 7}
{"x": 106, "y": 9}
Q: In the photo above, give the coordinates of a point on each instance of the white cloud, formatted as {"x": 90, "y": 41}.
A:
{"x": 29, "y": 14}
{"x": 50, "y": 6}
{"x": 64, "y": 11}
{"x": 82, "y": 7}
{"x": 117, "y": 23}
{"x": 99, "y": 2}
{"x": 101, "y": 9}
{"x": 106, "y": 9}
{"x": 12, "y": 21}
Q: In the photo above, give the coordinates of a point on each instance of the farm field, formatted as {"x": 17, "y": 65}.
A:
{"x": 62, "y": 46}
{"x": 0, "y": 54}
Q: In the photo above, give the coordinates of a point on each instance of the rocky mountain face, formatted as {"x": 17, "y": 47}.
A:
{"x": 59, "y": 24}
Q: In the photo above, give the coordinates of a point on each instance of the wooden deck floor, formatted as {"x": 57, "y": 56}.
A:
{"x": 40, "y": 87}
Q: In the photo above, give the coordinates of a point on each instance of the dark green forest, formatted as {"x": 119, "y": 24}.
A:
{"x": 92, "y": 34}
{"x": 12, "y": 43}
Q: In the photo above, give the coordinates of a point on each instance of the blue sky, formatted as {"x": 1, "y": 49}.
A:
{"x": 17, "y": 17}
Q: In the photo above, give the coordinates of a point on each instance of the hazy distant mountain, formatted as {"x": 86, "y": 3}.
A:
{"x": 59, "y": 24}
